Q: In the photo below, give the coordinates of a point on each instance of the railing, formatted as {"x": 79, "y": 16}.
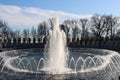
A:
{"x": 106, "y": 43}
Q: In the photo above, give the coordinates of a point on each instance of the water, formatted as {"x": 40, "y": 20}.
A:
{"x": 57, "y": 54}
{"x": 88, "y": 64}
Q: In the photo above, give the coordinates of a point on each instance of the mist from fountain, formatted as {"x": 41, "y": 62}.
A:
{"x": 56, "y": 56}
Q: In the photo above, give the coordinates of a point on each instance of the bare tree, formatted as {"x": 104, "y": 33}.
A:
{"x": 42, "y": 27}
{"x": 84, "y": 29}
{"x": 98, "y": 26}
{"x": 26, "y": 33}
{"x": 77, "y": 33}
{"x": 2, "y": 23}
{"x": 65, "y": 29}
{"x": 11, "y": 33}
{"x": 75, "y": 27}
{"x": 33, "y": 32}
{"x": 111, "y": 25}
{"x": 67, "y": 24}
{"x": 17, "y": 33}
{"x": 4, "y": 29}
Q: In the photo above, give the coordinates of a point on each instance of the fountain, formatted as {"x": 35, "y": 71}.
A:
{"x": 56, "y": 57}
{"x": 57, "y": 62}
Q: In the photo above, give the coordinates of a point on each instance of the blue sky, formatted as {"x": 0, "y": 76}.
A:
{"x": 16, "y": 11}
{"x": 71, "y": 6}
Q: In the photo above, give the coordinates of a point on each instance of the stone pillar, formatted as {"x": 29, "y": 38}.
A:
{"x": 42, "y": 38}
{"x": 21, "y": 39}
{"x": 12, "y": 40}
{"x": 31, "y": 40}
{"x": 36, "y": 40}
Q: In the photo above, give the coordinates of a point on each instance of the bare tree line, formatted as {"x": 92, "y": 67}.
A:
{"x": 98, "y": 26}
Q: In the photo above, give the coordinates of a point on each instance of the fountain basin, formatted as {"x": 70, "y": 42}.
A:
{"x": 82, "y": 63}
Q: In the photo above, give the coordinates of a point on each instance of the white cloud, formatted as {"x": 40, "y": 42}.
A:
{"x": 30, "y": 16}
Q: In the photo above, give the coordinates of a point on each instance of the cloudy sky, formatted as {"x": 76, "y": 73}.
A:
{"x": 27, "y": 13}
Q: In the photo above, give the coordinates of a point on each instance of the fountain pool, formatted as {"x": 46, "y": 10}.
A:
{"x": 82, "y": 64}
